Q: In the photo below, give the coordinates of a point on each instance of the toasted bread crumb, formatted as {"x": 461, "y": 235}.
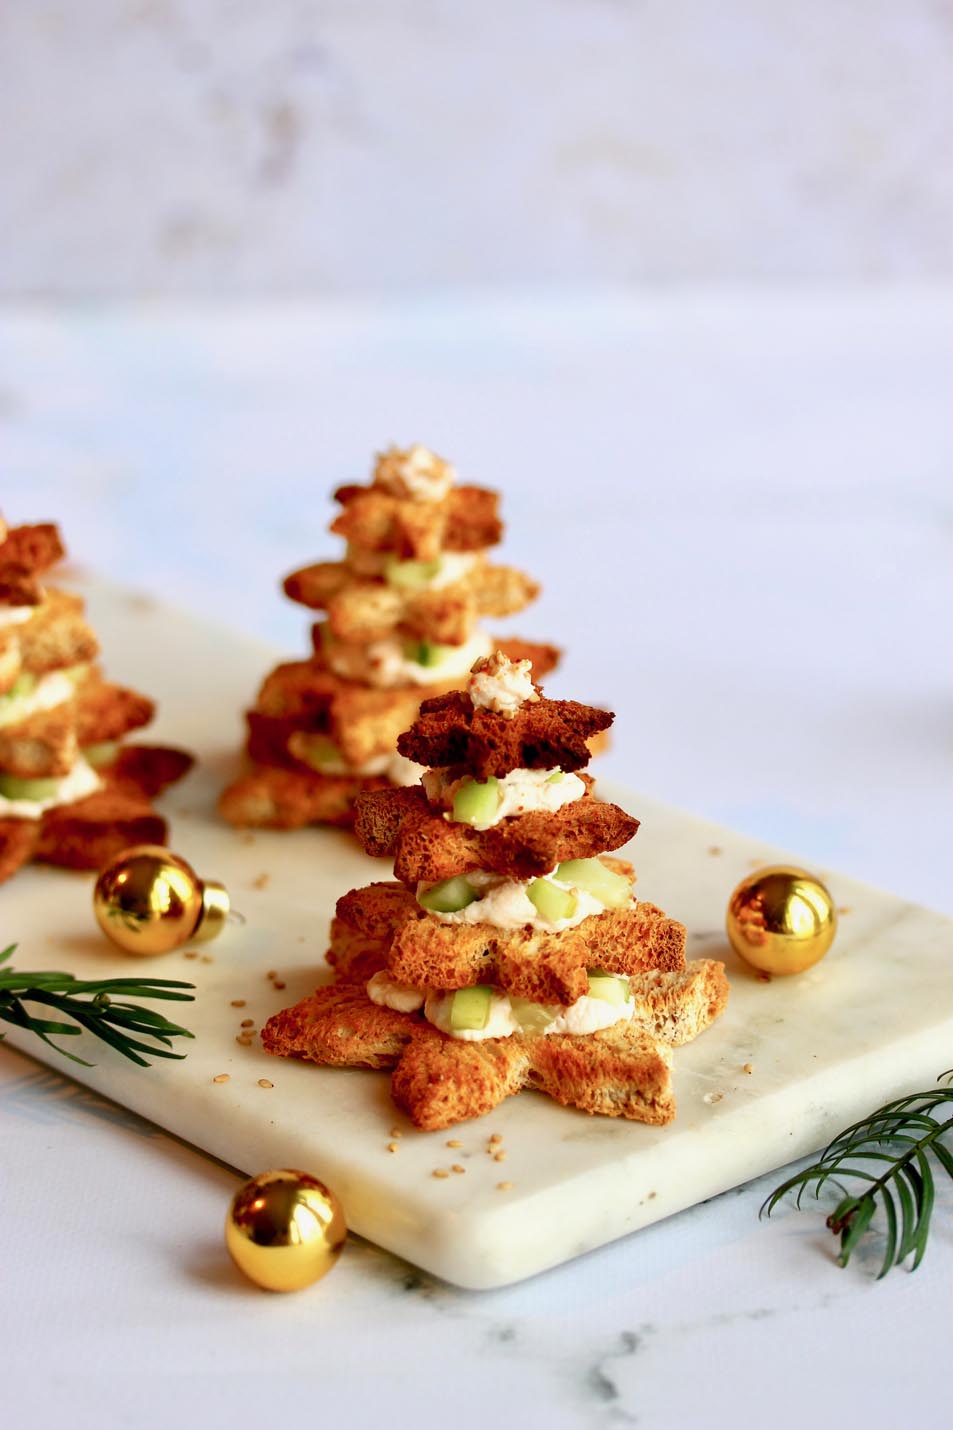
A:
{"x": 272, "y": 973}
{"x": 279, "y": 983}
{"x": 264, "y": 1082}
{"x": 222, "y": 1077}
{"x": 763, "y": 977}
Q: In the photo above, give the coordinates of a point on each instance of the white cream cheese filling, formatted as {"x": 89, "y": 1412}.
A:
{"x": 587, "y": 1015}
{"x": 416, "y": 474}
{"x": 50, "y": 690}
{"x": 505, "y": 904}
{"x": 502, "y": 685}
{"x": 81, "y": 781}
{"x": 16, "y": 615}
{"x": 385, "y": 664}
{"x": 520, "y": 791}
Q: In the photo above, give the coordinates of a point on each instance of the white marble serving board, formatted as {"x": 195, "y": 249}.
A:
{"x": 871, "y": 1021}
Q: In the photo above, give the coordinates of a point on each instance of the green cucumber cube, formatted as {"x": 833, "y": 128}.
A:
{"x": 556, "y": 777}
{"x": 449, "y": 896}
{"x": 411, "y": 575}
{"x": 614, "y": 891}
{"x": 12, "y": 787}
{"x": 470, "y": 1008}
{"x": 551, "y": 901}
{"x": 608, "y": 988}
{"x": 476, "y": 803}
{"x": 532, "y": 1017}
{"x": 319, "y": 752}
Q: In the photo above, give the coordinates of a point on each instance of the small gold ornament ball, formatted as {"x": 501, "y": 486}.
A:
{"x": 285, "y": 1230}
{"x": 781, "y": 920}
{"x": 149, "y": 900}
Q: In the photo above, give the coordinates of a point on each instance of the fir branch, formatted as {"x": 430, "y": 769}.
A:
{"x": 891, "y": 1154}
{"x": 91, "y": 1004}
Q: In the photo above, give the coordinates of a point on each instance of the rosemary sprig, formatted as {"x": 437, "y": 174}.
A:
{"x": 890, "y": 1151}
{"x": 121, "y": 1025}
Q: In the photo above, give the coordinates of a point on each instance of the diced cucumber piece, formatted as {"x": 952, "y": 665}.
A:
{"x": 470, "y": 1008}
{"x": 75, "y": 674}
{"x": 608, "y": 988}
{"x": 24, "y": 684}
{"x": 12, "y": 787}
{"x": 551, "y": 901}
{"x": 532, "y": 1017}
{"x": 319, "y": 752}
{"x": 449, "y": 896}
{"x": 556, "y": 777}
{"x": 612, "y": 890}
{"x": 476, "y": 803}
{"x": 426, "y": 653}
{"x": 411, "y": 575}
{"x": 102, "y": 753}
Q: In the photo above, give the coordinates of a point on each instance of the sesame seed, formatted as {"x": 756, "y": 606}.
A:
{"x": 243, "y": 1040}
{"x": 395, "y": 1132}
{"x": 207, "y": 958}
{"x": 499, "y": 1156}
{"x": 222, "y": 1077}
{"x": 238, "y": 1002}
{"x": 457, "y": 1168}
{"x": 748, "y": 1068}
{"x": 392, "y": 1146}
{"x": 454, "y": 1142}
{"x": 248, "y": 1023}
{"x": 272, "y": 973}
{"x": 504, "y": 1186}
{"x": 495, "y": 1139}
{"x": 191, "y": 954}
{"x": 714, "y": 850}
{"x": 278, "y": 984}
{"x": 263, "y": 1082}
{"x": 261, "y": 882}
{"x": 440, "y": 1172}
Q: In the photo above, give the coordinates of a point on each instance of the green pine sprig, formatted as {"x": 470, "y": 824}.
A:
{"x": 890, "y": 1157}
{"x": 91, "y": 1004}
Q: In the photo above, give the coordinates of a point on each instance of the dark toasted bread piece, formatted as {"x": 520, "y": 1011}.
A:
{"x": 426, "y": 846}
{"x": 465, "y": 520}
{"x": 543, "y": 734}
{"x": 33, "y": 548}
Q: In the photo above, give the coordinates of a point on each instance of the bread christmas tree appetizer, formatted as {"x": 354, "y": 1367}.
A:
{"x": 70, "y": 792}
{"x": 512, "y": 953}
{"x": 400, "y": 624}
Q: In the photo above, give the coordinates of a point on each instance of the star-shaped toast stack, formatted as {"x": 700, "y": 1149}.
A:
{"x": 511, "y": 951}
{"x": 71, "y": 792}
{"x": 400, "y": 623}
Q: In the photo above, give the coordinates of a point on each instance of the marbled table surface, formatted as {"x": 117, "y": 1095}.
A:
{"x": 741, "y": 511}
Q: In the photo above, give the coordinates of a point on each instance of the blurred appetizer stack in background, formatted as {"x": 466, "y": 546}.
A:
{"x": 401, "y": 623}
{"x": 512, "y": 952}
{"x": 71, "y": 793}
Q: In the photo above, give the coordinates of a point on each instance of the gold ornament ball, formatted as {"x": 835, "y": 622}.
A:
{"x": 285, "y": 1230}
{"x": 781, "y": 920}
{"x": 149, "y": 900}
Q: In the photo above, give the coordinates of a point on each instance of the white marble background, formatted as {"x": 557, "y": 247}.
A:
{"x": 229, "y": 146}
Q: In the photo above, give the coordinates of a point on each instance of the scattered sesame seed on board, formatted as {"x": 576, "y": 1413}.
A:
{"x": 440, "y": 1172}
{"x": 190, "y": 954}
{"x": 763, "y": 977}
{"x": 248, "y": 1023}
{"x": 395, "y": 1132}
{"x": 238, "y": 1002}
{"x": 272, "y": 973}
{"x": 457, "y": 1168}
{"x": 454, "y": 1142}
{"x": 499, "y": 1156}
{"x": 504, "y": 1186}
{"x": 392, "y": 1146}
{"x": 222, "y": 1077}
{"x": 845, "y": 909}
{"x": 264, "y": 1082}
{"x": 207, "y": 958}
{"x": 261, "y": 882}
{"x": 714, "y": 850}
{"x": 495, "y": 1138}
{"x": 748, "y": 1068}
{"x": 279, "y": 984}
{"x": 243, "y": 1040}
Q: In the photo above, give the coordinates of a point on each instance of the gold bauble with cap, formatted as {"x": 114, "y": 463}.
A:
{"x": 149, "y": 900}
{"x": 285, "y": 1230}
{"x": 781, "y": 920}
